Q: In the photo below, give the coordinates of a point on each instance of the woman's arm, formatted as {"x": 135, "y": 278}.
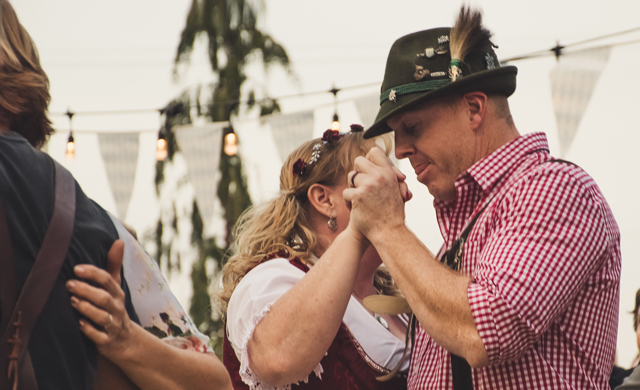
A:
{"x": 296, "y": 333}
{"x": 145, "y": 359}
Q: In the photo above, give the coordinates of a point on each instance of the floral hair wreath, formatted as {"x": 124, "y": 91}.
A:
{"x": 329, "y": 136}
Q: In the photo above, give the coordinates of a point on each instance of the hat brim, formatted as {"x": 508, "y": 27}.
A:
{"x": 494, "y": 81}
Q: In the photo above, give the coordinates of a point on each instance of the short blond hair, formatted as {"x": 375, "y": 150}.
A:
{"x": 281, "y": 224}
{"x": 24, "y": 86}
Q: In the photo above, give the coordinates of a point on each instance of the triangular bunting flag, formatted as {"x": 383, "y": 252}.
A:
{"x": 291, "y": 130}
{"x": 368, "y": 107}
{"x": 200, "y": 147}
{"x": 572, "y": 83}
{"x": 120, "y": 155}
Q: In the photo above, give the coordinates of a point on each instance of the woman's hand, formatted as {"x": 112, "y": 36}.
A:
{"x": 107, "y": 323}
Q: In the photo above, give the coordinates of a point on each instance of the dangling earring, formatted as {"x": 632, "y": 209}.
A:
{"x": 333, "y": 225}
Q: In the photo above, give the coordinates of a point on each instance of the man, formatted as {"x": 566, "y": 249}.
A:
{"x": 532, "y": 299}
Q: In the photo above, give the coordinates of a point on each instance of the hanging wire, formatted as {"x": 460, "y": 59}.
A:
{"x": 558, "y": 49}
{"x": 226, "y": 102}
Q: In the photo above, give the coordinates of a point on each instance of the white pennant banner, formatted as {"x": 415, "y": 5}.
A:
{"x": 120, "y": 155}
{"x": 200, "y": 147}
{"x": 260, "y": 158}
{"x": 368, "y": 107}
{"x": 572, "y": 83}
{"x": 291, "y": 130}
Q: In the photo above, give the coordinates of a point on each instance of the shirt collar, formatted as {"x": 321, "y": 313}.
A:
{"x": 488, "y": 171}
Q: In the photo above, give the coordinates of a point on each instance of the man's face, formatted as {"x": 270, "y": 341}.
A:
{"x": 437, "y": 140}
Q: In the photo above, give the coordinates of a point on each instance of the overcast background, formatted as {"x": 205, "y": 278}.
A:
{"x": 118, "y": 55}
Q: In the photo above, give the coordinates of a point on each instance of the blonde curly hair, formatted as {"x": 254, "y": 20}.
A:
{"x": 281, "y": 224}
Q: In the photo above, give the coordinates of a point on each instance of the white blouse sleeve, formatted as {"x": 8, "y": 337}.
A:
{"x": 157, "y": 308}
{"x": 250, "y": 302}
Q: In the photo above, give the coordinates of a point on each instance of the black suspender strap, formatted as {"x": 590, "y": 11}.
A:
{"x": 15, "y": 363}
{"x": 461, "y": 371}
{"x": 460, "y": 368}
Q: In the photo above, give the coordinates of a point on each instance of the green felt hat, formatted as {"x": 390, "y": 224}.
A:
{"x": 419, "y": 69}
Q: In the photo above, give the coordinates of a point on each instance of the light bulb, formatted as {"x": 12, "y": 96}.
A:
{"x": 70, "y": 153}
{"x": 161, "y": 151}
{"x": 335, "y": 125}
{"x": 230, "y": 144}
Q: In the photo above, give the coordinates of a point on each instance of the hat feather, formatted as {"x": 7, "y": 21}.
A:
{"x": 467, "y": 35}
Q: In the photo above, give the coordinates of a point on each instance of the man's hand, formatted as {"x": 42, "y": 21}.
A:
{"x": 377, "y": 200}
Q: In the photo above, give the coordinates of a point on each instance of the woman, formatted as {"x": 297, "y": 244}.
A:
{"x": 61, "y": 357}
{"x": 631, "y": 376}
{"x": 292, "y": 294}
{"x": 162, "y": 348}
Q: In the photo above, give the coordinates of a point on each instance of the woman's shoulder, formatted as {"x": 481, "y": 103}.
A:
{"x": 277, "y": 268}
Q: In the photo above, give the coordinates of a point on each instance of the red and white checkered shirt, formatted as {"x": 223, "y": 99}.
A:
{"x": 545, "y": 259}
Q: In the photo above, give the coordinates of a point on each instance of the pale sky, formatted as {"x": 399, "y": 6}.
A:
{"x": 118, "y": 54}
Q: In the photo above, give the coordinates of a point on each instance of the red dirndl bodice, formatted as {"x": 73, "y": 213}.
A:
{"x": 345, "y": 366}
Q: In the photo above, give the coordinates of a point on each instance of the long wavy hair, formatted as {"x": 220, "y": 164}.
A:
{"x": 281, "y": 224}
{"x": 24, "y": 86}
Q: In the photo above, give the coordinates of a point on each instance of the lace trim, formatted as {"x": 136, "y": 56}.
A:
{"x": 252, "y": 379}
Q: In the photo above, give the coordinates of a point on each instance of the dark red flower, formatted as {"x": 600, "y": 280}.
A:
{"x": 355, "y": 128}
{"x": 299, "y": 167}
{"x": 331, "y": 135}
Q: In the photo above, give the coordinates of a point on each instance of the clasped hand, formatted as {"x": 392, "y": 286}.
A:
{"x": 376, "y": 194}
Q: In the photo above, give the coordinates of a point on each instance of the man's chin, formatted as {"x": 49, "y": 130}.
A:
{"x": 438, "y": 194}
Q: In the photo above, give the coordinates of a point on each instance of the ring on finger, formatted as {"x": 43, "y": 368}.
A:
{"x": 353, "y": 178}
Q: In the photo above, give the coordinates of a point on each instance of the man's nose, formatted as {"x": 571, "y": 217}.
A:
{"x": 403, "y": 148}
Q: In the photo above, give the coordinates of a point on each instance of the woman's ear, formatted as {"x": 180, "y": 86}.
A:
{"x": 320, "y": 198}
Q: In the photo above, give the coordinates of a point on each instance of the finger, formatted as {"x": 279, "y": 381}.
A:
{"x": 364, "y": 165}
{"x": 95, "y": 314}
{"x": 92, "y": 333}
{"x": 115, "y": 259}
{"x": 100, "y": 277}
{"x": 97, "y": 296}
{"x": 404, "y": 191}
{"x": 401, "y": 176}
{"x": 378, "y": 157}
{"x": 347, "y": 195}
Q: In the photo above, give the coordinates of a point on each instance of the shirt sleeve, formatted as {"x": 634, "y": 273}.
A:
{"x": 158, "y": 310}
{"x": 550, "y": 237}
{"x": 250, "y": 302}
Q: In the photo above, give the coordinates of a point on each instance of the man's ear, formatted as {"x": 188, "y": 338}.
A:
{"x": 477, "y": 105}
{"x": 320, "y": 198}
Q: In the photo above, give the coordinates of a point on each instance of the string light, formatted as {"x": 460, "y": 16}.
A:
{"x": 335, "y": 125}
{"x": 230, "y": 142}
{"x": 161, "y": 151}
{"x": 71, "y": 147}
{"x": 70, "y": 152}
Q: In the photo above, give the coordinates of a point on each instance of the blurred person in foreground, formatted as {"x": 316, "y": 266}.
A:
{"x": 525, "y": 291}
{"x": 620, "y": 374}
{"x": 105, "y": 346}
{"x": 292, "y": 294}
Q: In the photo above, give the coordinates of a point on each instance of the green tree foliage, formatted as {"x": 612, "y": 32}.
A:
{"x": 233, "y": 40}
